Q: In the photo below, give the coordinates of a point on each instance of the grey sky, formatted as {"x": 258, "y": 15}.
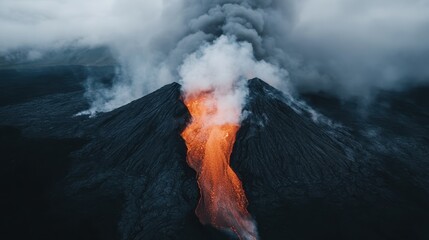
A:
{"x": 346, "y": 47}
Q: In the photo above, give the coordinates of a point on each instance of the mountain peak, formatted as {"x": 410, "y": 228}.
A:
{"x": 279, "y": 156}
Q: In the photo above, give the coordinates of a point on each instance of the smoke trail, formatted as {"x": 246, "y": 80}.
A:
{"x": 222, "y": 66}
{"x": 232, "y": 27}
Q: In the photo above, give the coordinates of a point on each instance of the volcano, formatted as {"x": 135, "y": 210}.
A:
{"x": 124, "y": 174}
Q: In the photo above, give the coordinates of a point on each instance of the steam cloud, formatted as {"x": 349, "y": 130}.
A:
{"x": 345, "y": 47}
{"x": 209, "y": 69}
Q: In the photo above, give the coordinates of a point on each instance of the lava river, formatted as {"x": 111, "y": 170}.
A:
{"x": 210, "y": 141}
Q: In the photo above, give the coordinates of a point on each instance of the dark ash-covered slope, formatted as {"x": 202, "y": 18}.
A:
{"x": 287, "y": 153}
{"x": 307, "y": 180}
{"x": 137, "y": 150}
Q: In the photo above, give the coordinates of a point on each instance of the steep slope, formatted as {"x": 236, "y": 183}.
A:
{"x": 308, "y": 180}
{"x": 287, "y": 153}
{"x": 138, "y": 148}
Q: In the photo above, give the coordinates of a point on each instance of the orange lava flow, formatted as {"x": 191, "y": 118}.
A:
{"x": 223, "y": 202}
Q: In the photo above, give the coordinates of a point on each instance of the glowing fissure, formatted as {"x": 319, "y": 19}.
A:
{"x": 209, "y": 141}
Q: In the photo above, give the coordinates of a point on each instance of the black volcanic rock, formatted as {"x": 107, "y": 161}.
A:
{"x": 129, "y": 179}
{"x": 138, "y": 150}
{"x": 283, "y": 153}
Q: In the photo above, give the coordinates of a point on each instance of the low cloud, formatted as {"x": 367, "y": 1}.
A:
{"x": 348, "y": 48}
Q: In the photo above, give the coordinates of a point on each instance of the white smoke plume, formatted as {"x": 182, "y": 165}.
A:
{"x": 345, "y": 47}
{"x": 223, "y": 68}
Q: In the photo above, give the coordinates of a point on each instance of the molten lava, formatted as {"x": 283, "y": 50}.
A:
{"x": 210, "y": 141}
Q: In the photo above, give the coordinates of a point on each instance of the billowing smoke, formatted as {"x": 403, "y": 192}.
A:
{"x": 345, "y": 47}
{"x": 223, "y": 68}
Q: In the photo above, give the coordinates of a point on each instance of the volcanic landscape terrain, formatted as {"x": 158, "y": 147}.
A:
{"x": 332, "y": 171}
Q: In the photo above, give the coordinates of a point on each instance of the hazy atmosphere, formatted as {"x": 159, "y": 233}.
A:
{"x": 344, "y": 47}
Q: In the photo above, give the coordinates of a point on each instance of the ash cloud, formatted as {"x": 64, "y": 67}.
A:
{"x": 344, "y": 47}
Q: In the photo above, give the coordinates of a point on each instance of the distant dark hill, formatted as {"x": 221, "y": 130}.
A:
{"x": 20, "y": 59}
{"x": 127, "y": 176}
{"x": 19, "y": 85}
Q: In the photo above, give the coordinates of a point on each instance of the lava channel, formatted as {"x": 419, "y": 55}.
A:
{"x": 223, "y": 203}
